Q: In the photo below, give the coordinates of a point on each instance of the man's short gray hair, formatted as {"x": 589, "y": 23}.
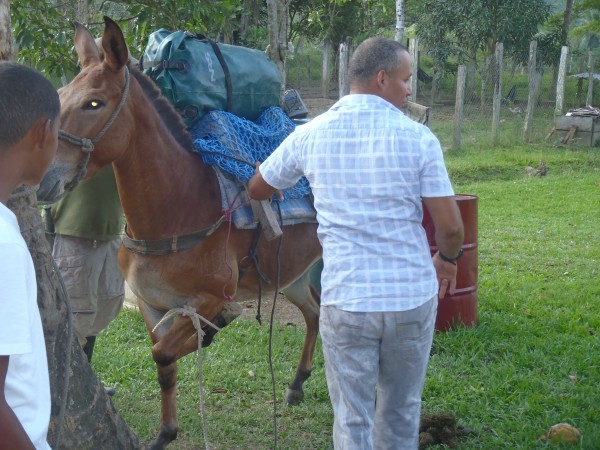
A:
{"x": 373, "y": 55}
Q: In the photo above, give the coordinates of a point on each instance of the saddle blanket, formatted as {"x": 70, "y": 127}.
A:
{"x": 235, "y": 198}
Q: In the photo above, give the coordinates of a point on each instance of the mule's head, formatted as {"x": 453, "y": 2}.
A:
{"x": 94, "y": 111}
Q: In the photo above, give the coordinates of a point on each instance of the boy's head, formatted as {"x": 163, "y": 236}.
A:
{"x": 29, "y": 118}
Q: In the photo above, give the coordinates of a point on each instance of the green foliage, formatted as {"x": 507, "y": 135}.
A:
{"x": 589, "y": 11}
{"x": 549, "y": 42}
{"x": 214, "y": 19}
{"x": 461, "y": 28}
{"x": 531, "y": 361}
{"x": 335, "y": 20}
{"x": 43, "y": 36}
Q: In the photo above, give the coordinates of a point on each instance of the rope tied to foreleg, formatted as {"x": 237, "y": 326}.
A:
{"x": 196, "y": 319}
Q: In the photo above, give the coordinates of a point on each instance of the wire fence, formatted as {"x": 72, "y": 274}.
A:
{"x": 518, "y": 92}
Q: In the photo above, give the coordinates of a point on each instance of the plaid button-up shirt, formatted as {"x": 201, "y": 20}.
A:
{"x": 368, "y": 166}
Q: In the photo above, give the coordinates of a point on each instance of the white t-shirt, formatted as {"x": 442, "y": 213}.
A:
{"x": 27, "y": 387}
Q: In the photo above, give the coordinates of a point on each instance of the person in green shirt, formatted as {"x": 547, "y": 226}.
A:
{"x": 88, "y": 223}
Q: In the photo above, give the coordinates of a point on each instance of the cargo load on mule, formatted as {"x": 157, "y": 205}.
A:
{"x": 198, "y": 75}
{"x": 229, "y": 98}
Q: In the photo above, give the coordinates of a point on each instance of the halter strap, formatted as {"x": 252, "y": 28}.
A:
{"x": 86, "y": 145}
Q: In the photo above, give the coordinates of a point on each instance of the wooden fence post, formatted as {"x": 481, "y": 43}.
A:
{"x": 326, "y": 64}
{"x": 345, "y": 53}
{"x": 459, "y": 104}
{"x": 533, "y": 80}
{"x": 497, "y": 103}
{"x": 413, "y": 49}
{"x": 560, "y": 84}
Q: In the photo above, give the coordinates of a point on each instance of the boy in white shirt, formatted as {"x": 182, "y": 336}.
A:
{"x": 29, "y": 124}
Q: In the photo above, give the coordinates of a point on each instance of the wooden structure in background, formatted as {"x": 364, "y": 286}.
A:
{"x": 584, "y": 128}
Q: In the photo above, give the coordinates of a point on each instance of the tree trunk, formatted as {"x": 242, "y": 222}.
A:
{"x": 82, "y": 418}
{"x": 470, "y": 93}
{"x": 5, "y": 32}
{"x": 566, "y": 21}
{"x": 252, "y": 8}
{"x": 83, "y": 11}
{"x": 278, "y": 38}
{"x": 399, "y": 20}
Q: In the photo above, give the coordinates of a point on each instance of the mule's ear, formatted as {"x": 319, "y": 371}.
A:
{"x": 86, "y": 49}
{"x": 114, "y": 47}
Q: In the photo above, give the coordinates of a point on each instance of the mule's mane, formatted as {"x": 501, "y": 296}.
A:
{"x": 165, "y": 110}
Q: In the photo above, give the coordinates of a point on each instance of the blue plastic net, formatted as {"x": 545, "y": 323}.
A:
{"x": 234, "y": 144}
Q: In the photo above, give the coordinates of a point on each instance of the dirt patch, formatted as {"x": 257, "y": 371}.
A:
{"x": 440, "y": 429}
{"x": 285, "y": 312}
{"x": 317, "y": 106}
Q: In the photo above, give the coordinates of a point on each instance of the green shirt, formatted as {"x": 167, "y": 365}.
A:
{"x": 93, "y": 210}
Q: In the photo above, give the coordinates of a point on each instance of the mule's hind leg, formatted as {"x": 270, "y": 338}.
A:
{"x": 305, "y": 293}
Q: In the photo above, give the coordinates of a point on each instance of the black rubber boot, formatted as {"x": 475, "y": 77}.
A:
{"x": 88, "y": 348}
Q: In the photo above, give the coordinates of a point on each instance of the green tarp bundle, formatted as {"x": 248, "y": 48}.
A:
{"x": 198, "y": 75}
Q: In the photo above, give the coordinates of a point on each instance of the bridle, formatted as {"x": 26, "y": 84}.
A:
{"x": 86, "y": 145}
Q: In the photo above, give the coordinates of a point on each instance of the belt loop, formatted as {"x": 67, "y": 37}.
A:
{"x": 174, "y": 244}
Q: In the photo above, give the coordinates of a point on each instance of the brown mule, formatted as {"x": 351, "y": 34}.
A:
{"x": 116, "y": 115}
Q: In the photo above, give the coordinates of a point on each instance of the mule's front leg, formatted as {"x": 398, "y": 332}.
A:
{"x": 165, "y": 352}
{"x": 167, "y": 379}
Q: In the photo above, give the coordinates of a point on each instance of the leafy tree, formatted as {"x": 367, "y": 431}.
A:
{"x": 43, "y": 33}
{"x": 589, "y": 10}
{"x": 461, "y": 28}
{"x": 317, "y": 20}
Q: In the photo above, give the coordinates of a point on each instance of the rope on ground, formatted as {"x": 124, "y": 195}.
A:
{"x": 272, "y": 370}
{"x": 190, "y": 312}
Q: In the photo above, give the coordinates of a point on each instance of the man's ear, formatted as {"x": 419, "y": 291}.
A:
{"x": 380, "y": 78}
{"x": 379, "y": 82}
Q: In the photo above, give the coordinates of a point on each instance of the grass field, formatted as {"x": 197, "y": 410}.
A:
{"x": 532, "y": 361}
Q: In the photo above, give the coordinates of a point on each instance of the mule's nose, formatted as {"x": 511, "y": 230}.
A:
{"x": 50, "y": 188}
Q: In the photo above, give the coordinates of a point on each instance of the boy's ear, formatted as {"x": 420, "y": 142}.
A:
{"x": 39, "y": 134}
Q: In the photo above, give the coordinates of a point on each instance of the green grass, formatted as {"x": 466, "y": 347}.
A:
{"x": 532, "y": 361}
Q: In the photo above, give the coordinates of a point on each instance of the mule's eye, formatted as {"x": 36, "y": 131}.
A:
{"x": 93, "y": 104}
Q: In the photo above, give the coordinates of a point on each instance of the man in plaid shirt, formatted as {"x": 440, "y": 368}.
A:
{"x": 370, "y": 169}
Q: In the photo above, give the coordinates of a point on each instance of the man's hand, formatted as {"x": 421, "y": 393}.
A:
{"x": 446, "y": 275}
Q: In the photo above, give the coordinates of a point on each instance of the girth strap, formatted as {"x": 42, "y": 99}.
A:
{"x": 169, "y": 245}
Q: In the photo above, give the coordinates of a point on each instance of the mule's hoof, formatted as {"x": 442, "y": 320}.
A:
{"x": 293, "y": 397}
{"x": 162, "y": 440}
{"x": 110, "y": 391}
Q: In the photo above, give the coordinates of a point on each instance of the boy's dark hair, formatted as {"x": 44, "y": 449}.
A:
{"x": 25, "y": 97}
{"x": 373, "y": 55}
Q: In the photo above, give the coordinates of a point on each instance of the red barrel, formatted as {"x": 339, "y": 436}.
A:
{"x": 460, "y": 308}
